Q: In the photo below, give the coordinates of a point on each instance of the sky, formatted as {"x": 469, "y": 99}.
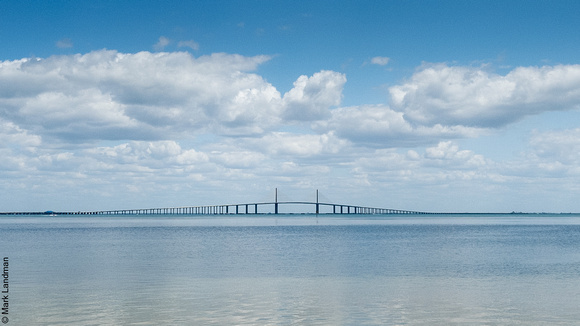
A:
{"x": 437, "y": 106}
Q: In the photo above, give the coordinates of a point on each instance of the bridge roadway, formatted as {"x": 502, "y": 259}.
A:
{"x": 250, "y": 208}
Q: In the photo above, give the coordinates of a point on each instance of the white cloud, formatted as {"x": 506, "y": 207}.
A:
{"x": 381, "y": 61}
{"x": 449, "y": 153}
{"x": 293, "y": 145}
{"x": 311, "y": 97}
{"x": 65, "y": 43}
{"x": 169, "y": 125}
{"x": 411, "y": 166}
{"x": 149, "y": 96}
{"x": 188, "y": 44}
{"x": 162, "y": 43}
{"x": 239, "y": 159}
{"x": 12, "y": 135}
{"x": 562, "y": 147}
{"x": 380, "y": 126}
{"x": 440, "y": 94}
{"x": 136, "y": 160}
{"x": 111, "y": 95}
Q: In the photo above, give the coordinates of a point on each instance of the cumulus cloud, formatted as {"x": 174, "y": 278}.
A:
{"x": 441, "y": 102}
{"x": 380, "y": 126}
{"x": 456, "y": 95}
{"x": 142, "y": 164}
{"x": 12, "y": 135}
{"x": 448, "y": 152}
{"x": 438, "y": 165}
{"x": 558, "y": 146}
{"x": 305, "y": 145}
{"x": 146, "y": 120}
{"x": 237, "y": 159}
{"x": 141, "y": 96}
{"x": 311, "y": 97}
{"x": 153, "y": 96}
{"x": 106, "y": 95}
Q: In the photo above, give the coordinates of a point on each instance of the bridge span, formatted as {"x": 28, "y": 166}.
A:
{"x": 274, "y": 207}
{"x": 249, "y": 208}
{"x": 262, "y": 208}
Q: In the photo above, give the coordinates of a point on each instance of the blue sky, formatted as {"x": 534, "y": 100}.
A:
{"x": 420, "y": 105}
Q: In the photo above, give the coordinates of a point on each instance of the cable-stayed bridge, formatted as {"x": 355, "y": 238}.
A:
{"x": 274, "y": 207}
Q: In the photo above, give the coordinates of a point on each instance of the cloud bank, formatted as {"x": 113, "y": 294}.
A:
{"x": 441, "y": 94}
{"x": 113, "y": 124}
{"x": 149, "y": 96}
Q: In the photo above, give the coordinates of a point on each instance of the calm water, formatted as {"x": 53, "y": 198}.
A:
{"x": 293, "y": 270}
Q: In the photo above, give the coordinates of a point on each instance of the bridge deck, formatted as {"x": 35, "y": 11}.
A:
{"x": 249, "y": 208}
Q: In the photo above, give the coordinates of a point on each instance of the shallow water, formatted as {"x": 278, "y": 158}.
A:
{"x": 293, "y": 270}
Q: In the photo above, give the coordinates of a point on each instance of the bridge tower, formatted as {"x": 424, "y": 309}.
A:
{"x": 276, "y": 203}
{"x": 317, "y": 204}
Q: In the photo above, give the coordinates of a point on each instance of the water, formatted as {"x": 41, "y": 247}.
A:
{"x": 293, "y": 270}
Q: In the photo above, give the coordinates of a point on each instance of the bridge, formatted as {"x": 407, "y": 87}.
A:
{"x": 248, "y": 208}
